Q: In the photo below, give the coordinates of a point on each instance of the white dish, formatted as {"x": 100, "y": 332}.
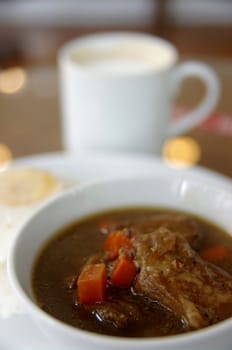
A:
{"x": 19, "y": 332}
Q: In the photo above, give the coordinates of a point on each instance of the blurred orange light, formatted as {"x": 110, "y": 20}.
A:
{"x": 12, "y": 80}
{"x": 181, "y": 152}
{"x": 5, "y": 157}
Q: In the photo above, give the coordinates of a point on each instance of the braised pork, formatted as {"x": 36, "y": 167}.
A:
{"x": 174, "y": 275}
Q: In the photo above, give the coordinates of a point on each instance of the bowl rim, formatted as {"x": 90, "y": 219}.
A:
{"x": 135, "y": 342}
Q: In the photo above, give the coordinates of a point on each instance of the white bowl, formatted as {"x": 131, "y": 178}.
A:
{"x": 170, "y": 190}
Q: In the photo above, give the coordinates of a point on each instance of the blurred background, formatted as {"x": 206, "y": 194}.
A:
{"x": 32, "y": 31}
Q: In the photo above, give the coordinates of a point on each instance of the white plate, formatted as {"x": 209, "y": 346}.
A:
{"x": 19, "y": 332}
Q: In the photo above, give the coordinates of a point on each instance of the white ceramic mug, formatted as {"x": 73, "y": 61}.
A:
{"x": 117, "y": 92}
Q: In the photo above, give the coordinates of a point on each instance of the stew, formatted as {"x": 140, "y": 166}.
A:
{"x": 143, "y": 272}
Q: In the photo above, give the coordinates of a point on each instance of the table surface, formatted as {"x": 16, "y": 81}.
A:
{"x": 30, "y": 119}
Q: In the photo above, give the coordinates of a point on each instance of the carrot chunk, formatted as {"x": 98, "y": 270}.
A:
{"x": 92, "y": 284}
{"x": 124, "y": 272}
{"x": 116, "y": 240}
{"x": 215, "y": 253}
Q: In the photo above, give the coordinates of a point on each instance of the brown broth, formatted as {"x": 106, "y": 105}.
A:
{"x": 62, "y": 258}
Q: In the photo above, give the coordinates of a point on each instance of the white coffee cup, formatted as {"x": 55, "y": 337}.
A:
{"x": 118, "y": 89}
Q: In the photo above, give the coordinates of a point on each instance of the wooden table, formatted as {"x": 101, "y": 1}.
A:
{"x": 30, "y": 119}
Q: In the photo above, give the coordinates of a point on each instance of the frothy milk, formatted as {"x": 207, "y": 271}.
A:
{"x": 134, "y": 57}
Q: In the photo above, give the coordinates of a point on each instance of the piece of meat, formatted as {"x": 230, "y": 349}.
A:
{"x": 173, "y": 274}
{"x": 185, "y": 226}
{"x": 118, "y": 314}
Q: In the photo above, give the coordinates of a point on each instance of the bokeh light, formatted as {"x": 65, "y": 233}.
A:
{"x": 181, "y": 152}
{"x": 12, "y": 80}
{"x": 5, "y": 156}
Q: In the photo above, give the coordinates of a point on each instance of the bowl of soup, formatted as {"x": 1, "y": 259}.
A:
{"x": 130, "y": 263}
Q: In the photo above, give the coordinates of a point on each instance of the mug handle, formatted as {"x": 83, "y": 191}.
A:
{"x": 203, "y": 110}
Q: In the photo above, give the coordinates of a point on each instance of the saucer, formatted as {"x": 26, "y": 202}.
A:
{"x": 19, "y": 331}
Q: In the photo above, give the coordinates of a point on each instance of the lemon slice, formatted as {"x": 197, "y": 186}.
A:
{"x": 20, "y": 187}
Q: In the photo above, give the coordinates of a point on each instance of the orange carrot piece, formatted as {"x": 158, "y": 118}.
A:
{"x": 124, "y": 272}
{"x": 215, "y": 253}
{"x": 116, "y": 240}
{"x": 92, "y": 284}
